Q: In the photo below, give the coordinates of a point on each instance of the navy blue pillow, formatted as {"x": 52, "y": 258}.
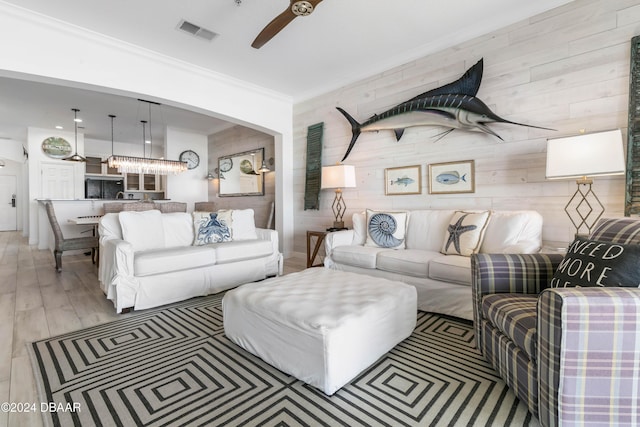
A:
{"x": 595, "y": 263}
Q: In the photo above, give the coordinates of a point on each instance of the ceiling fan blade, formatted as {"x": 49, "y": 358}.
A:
{"x": 273, "y": 28}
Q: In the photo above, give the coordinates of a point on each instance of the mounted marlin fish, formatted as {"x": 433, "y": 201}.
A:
{"x": 453, "y": 106}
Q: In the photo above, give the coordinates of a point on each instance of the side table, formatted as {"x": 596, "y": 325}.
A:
{"x": 311, "y": 256}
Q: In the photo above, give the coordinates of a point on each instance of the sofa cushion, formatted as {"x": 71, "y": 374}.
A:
{"x": 597, "y": 263}
{"x": 412, "y": 262}
{"x": 359, "y": 222}
{"x": 427, "y": 228}
{"x": 386, "y": 229}
{"x": 451, "y": 268}
{"x": 465, "y": 232}
{"x": 211, "y": 227}
{"x": 512, "y": 232}
{"x": 158, "y": 261}
{"x": 143, "y": 229}
{"x": 109, "y": 226}
{"x": 241, "y": 250}
{"x": 178, "y": 229}
{"x": 357, "y": 256}
{"x": 515, "y": 316}
{"x": 243, "y": 226}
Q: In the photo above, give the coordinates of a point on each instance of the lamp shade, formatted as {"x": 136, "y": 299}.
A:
{"x": 593, "y": 154}
{"x": 338, "y": 176}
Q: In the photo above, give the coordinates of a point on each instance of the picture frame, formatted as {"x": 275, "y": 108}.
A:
{"x": 403, "y": 180}
{"x": 452, "y": 177}
{"x": 238, "y": 174}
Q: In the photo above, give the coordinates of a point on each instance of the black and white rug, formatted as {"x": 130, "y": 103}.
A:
{"x": 174, "y": 366}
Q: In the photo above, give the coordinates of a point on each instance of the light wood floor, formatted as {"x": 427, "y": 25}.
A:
{"x": 37, "y": 303}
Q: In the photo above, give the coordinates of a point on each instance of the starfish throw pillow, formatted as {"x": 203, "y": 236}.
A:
{"x": 465, "y": 232}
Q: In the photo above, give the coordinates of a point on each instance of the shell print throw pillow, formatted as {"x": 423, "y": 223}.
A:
{"x": 386, "y": 229}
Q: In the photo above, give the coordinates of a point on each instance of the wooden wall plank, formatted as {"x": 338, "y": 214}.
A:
{"x": 567, "y": 69}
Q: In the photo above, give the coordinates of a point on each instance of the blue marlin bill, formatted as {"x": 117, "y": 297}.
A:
{"x": 453, "y": 106}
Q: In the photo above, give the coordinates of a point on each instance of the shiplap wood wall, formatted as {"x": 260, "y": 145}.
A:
{"x": 567, "y": 69}
{"x": 238, "y": 139}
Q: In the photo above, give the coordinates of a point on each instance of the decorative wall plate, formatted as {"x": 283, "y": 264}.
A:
{"x": 56, "y": 147}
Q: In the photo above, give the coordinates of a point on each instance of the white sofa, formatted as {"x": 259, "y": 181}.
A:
{"x": 148, "y": 259}
{"x": 443, "y": 281}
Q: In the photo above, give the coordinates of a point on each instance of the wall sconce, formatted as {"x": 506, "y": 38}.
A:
{"x": 210, "y": 176}
{"x": 264, "y": 168}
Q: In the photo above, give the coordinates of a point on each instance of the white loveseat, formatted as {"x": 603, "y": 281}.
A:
{"x": 148, "y": 259}
{"x": 443, "y": 281}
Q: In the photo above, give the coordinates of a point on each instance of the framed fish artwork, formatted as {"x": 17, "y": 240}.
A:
{"x": 402, "y": 180}
{"x": 452, "y": 177}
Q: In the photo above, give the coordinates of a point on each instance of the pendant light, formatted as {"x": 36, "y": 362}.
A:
{"x": 144, "y": 138}
{"x": 75, "y": 157}
{"x": 106, "y": 161}
{"x": 111, "y": 116}
{"x": 130, "y": 164}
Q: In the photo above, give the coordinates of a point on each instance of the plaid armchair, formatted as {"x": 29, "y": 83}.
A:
{"x": 571, "y": 354}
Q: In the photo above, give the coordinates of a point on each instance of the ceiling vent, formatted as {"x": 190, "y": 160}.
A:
{"x": 196, "y": 30}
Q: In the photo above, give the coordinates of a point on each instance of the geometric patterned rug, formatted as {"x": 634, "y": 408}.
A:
{"x": 173, "y": 366}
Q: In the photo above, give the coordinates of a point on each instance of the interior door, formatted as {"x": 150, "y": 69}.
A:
{"x": 57, "y": 181}
{"x": 8, "y": 209}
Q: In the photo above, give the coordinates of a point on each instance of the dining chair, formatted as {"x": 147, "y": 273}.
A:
{"x": 139, "y": 206}
{"x": 67, "y": 244}
{"x": 168, "y": 207}
{"x": 113, "y": 207}
{"x": 204, "y": 206}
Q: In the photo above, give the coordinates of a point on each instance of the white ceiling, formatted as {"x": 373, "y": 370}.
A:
{"x": 340, "y": 42}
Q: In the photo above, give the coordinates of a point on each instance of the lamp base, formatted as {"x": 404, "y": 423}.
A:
{"x": 584, "y": 208}
{"x": 337, "y": 226}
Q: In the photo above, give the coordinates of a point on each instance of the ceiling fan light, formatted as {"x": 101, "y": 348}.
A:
{"x": 302, "y": 8}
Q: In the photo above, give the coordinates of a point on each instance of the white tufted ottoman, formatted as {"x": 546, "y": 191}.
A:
{"x": 322, "y": 326}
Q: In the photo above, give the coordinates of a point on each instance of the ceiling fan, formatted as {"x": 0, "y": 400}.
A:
{"x": 295, "y": 9}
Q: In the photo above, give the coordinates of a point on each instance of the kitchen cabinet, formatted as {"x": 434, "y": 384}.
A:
{"x": 142, "y": 182}
{"x": 94, "y": 166}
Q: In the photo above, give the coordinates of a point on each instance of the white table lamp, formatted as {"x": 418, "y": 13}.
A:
{"x": 338, "y": 177}
{"x": 580, "y": 157}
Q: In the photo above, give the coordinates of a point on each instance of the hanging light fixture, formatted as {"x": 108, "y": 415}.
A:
{"x": 111, "y": 116}
{"x": 130, "y": 164}
{"x": 75, "y": 157}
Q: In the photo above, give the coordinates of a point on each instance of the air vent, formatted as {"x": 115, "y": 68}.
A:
{"x": 196, "y": 30}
